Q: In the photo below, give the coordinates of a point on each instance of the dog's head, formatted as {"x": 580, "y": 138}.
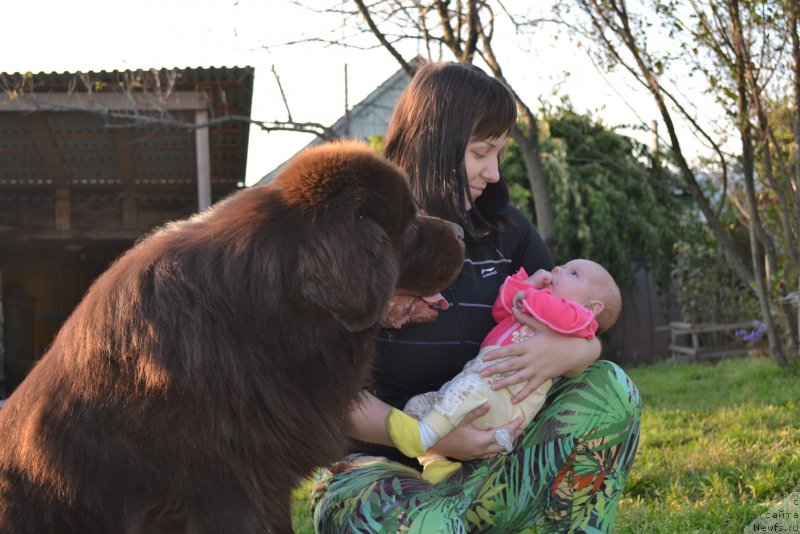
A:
{"x": 362, "y": 235}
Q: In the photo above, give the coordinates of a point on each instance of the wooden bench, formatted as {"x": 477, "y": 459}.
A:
{"x": 704, "y": 341}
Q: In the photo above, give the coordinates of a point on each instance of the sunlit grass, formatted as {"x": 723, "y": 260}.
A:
{"x": 720, "y": 444}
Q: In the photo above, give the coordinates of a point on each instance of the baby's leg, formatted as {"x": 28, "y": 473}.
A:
{"x": 435, "y": 468}
{"x": 454, "y": 402}
{"x": 443, "y": 410}
{"x": 463, "y": 394}
{"x": 418, "y": 406}
{"x": 528, "y": 407}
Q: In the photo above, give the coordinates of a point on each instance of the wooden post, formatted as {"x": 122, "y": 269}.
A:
{"x": 55, "y": 170}
{"x": 128, "y": 178}
{"x": 673, "y": 340}
{"x": 203, "y": 161}
{"x": 63, "y": 209}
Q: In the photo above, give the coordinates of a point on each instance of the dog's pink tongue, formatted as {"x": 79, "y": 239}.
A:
{"x": 437, "y": 301}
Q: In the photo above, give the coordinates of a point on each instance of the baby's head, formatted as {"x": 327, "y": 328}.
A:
{"x": 589, "y": 284}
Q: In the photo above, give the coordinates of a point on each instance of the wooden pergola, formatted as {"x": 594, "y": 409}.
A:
{"x": 89, "y": 162}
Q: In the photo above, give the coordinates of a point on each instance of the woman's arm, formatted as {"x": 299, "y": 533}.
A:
{"x": 368, "y": 420}
{"x": 465, "y": 442}
{"x": 546, "y": 355}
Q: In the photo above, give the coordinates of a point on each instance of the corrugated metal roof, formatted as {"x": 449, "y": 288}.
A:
{"x": 90, "y": 146}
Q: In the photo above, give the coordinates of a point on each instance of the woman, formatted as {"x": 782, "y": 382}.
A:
{"x": 570, "y": 464}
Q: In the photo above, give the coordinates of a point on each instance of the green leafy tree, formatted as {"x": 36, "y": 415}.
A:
{"x": 698, "y": 259}
{"x": 614, "y": 203}
{"x": 738, "y": 50}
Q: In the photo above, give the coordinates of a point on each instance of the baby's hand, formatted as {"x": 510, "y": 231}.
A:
{"x": 540, "y": 279}
{"x": 518, "y": 301}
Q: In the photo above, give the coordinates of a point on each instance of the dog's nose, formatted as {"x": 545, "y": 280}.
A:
{"x": 457, "y": 230}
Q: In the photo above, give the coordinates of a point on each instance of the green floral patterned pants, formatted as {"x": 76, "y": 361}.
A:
{"x": 569, "y": 470}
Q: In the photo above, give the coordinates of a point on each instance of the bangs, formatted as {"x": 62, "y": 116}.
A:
{"x": 499, "y": 114}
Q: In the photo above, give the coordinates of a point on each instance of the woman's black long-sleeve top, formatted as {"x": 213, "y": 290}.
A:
{"x": 421, "y": 358}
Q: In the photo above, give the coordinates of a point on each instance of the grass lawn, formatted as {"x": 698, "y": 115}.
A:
{"x": 720, "y": 444}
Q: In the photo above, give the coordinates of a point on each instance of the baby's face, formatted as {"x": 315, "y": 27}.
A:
{"x": 576, "y": 280}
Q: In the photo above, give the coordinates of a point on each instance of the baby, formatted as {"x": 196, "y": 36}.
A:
{"x": 579, "y": 299}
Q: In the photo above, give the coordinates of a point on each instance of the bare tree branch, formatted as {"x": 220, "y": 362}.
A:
{"x": 283, "y": 95}
{"x": 382, "y": 38}
{"x": 450, "y": 38}
{"x": 600, "y": 15}
{"x": 472, "y": 31}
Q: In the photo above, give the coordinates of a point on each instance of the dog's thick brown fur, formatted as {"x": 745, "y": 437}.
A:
{"x": 212, "y": 366}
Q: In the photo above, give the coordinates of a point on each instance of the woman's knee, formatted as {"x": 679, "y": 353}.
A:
{"x": 605, "y": 390}
{"x": 607, "y": 373}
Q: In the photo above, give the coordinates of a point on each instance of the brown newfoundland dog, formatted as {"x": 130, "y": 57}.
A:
{"x": 212, "y": 366}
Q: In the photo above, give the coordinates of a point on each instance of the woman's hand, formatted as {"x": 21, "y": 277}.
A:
{"x": 467, "y": 442}
{"x": 546, "y": 355}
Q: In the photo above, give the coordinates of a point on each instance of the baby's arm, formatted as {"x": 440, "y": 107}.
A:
{"x": 504, "y": 302}
{"x": 561, "y": 315}
{"x": 513, "y": 291}
{"x": 546, "y": 355}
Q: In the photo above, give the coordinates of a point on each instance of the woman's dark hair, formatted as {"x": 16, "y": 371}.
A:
{"x": 446, "y": 106}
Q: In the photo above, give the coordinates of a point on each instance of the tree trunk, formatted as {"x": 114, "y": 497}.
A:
{"x": 529, "y": 147}
{"x": 748, "y": 170}
{"x": 793, "y": 10}
{"x": 528, "y": 142}
{"x": 784, "y": 199}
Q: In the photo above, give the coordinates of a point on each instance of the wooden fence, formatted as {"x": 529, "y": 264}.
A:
{"x": 649, "y": 330}
{"x": 641, "y": 334}
{"x": 706, "y": 341}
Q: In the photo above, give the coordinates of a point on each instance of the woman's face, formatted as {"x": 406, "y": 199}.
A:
{"x": 482, "y": 161}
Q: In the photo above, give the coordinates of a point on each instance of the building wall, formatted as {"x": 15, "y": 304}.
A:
{"x": 373, "y": 118}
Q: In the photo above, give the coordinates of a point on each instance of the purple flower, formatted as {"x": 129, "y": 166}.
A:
{"x": 756, "y": 333}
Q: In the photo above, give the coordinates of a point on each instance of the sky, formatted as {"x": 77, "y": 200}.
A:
{"x": 49, "y": 35}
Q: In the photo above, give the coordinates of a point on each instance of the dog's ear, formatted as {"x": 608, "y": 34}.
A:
{"x": 349, "y": 268}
